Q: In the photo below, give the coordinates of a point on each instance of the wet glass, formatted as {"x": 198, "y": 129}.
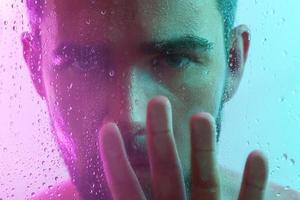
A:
{"x": 105, "y": 62}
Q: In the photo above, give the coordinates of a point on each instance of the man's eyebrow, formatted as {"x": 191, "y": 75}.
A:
{"x": 76, "y": 49}
{"x": 189, "y": 42}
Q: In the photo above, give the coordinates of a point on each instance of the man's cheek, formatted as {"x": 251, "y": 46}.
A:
{"x": 80, "y": 117}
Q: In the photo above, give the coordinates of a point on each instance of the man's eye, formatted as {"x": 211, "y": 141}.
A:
{"x": 91, "y": 58}
{"x": 87, "y": 63}
{"x": 84, "y": 58}
{"x": 174, "y": 60}
{"x": 82, "y": 63}
{"x": 62, "y": 61}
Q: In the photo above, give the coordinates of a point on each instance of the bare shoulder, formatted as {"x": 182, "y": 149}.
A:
{"x": 230, "y": 185}
{"x": 63, "y": 191}
{"x": 277, "y": 191}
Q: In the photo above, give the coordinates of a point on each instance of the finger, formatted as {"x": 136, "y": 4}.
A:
{"x": 205, "y": 174}
{"x": 255, "y": 177}
{"x": 120, "y": 176}
{"x": 166, "y": 173}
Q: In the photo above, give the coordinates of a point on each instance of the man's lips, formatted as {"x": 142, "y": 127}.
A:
{"x": 137, "y": 151}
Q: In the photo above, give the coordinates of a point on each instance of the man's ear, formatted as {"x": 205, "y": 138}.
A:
{"x": 238, "y": 53}
{"x": 32, "y": 57}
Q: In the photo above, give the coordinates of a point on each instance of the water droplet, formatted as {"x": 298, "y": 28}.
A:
{"x": 287, "y": 187}
{"x": 207, "y": 72}
{"x": 103, "y": 12}
{"x": 111, "y": 73}
{"x": 70, "y": 86}
{"x": 282, "y": 99}
{"x": 285, "y": 53}
{"x": 292, "y": 161}
{"x": 88, "y": 21}
{"x": 285, "y": 156}
{"x": 265, "y": 40}
{"x": 283, "y": 20}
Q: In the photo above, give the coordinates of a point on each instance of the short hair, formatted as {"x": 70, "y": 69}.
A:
{"x": 227, "y": 9}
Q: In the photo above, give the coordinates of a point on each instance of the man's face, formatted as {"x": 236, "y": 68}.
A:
{"x": 104, "y": 60}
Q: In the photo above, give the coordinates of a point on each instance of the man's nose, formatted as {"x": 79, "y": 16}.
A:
{"x": 128, "y": 97}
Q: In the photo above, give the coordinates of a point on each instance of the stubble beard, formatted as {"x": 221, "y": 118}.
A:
{"x": 90, "y": 181}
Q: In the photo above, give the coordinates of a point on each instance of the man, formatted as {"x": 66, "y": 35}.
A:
{"x": 133, "y": 90}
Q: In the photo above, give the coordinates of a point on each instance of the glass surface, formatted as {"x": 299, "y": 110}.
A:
{"x": 104, "y": 68}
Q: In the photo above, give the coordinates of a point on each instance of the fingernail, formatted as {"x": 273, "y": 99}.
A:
{"x": 160, "y": 114}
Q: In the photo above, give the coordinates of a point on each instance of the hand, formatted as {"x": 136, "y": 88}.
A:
{"x": 165, "y": 167}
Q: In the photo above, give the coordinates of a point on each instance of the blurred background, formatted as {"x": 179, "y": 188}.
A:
{"x": 265, "y": 113}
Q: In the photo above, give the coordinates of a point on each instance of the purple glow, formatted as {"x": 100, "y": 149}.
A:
{"x": 30, "y": 160}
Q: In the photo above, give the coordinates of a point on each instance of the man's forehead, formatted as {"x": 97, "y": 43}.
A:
{"x": 140, "y": 19}
{"x": 157, "y": 6}
{"x": 147, "y": 12}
